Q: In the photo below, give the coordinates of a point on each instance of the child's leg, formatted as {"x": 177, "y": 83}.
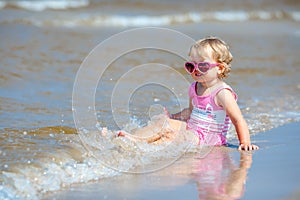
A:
{"x": 176, "y": 125}
{"x": 154, "y": 133}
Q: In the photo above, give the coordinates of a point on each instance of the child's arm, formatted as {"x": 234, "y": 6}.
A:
{"x": 183, "y": 115}
{"x": 225, "y": 99}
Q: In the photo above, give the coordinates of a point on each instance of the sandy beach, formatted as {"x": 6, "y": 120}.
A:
{"x": 270, "y": 173}
{"x": 43, "y": 47}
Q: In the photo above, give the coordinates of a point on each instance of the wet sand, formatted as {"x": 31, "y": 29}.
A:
{"x": 269, "y": 173}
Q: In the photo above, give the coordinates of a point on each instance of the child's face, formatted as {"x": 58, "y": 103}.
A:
{"x": 204, "y": 55}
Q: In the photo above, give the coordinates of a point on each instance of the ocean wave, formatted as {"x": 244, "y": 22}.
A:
{"x": 93, "y": 20}
{"x": 50, "y": 159}
{"x": 44, "y": 5}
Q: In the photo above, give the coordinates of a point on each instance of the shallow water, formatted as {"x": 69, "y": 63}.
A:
{"x": 42, "y": 51}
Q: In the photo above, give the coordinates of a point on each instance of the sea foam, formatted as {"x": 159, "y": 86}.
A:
{"x": 47, "y": 4}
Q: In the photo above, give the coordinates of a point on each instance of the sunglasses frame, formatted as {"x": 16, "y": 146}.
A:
{"x": 198, "y": 66}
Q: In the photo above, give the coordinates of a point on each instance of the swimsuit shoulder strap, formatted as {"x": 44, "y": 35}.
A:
{"x": 224, "y": 86}
{"x": 192, "y": 90}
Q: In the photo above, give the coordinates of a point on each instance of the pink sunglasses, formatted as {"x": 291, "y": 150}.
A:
{"x": 203, "y": 67}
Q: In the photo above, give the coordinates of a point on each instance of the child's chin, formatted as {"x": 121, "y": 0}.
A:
{"x": 199, "y": 79}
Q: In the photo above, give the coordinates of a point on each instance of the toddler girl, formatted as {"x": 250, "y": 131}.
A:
{"x": 212, "y": 102}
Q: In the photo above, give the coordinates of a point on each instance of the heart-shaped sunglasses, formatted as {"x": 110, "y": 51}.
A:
{"x": 202, "y": 67}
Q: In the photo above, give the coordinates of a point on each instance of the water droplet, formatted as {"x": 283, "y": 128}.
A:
{"x": 98, "y": 126}
{"x": 89, "y": 163}
{"x": 83, "y": 130}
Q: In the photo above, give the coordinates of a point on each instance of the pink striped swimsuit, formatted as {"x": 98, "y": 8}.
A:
{"x": 209, "y": 121}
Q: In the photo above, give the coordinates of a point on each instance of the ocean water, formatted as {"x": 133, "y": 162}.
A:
{"x": 44, "y": 44}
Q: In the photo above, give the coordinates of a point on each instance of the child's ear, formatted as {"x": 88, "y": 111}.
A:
{"x": 221, "y": 69}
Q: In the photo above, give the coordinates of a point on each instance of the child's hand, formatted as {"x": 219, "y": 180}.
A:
{"x": 248, "y": 147}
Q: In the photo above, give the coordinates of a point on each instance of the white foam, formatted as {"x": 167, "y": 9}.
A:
{"x": 2, "y": 4}
{"x": 264, "y": 15}
{"x": 295, "y": 15}
{"x": 106, "y": 20}
{"x": 49, "y": 4}
{"x": 231, "y": 16}
{"x": 93, "y": 20}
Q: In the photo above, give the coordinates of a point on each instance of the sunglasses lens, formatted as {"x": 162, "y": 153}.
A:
{"x": 203, "y": 67}
{"x": 189, "y": 67}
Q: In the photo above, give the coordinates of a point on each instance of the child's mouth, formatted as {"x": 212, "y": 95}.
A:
{"x": 198, "y": 74}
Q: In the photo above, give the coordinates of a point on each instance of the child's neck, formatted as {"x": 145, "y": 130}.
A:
{"x": 210, "y": 84}
{"x": 205, "y": 88}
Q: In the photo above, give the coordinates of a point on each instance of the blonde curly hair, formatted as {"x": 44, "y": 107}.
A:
{"x": 219, "y": 53}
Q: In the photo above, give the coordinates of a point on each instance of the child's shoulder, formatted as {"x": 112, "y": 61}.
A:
{"x": 225, "y": 89}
